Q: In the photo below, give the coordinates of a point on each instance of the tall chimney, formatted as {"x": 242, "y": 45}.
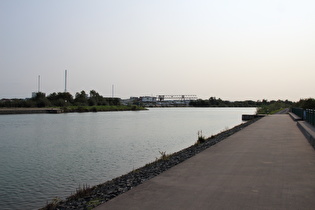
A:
{"x": 112, "y": 91}
{"x": 65, "y": 81}
{"x": 38, "y": 83}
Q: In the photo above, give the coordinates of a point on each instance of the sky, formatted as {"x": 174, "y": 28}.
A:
{"x": 233, "y": 50}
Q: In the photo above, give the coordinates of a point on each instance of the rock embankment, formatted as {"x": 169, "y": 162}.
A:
{"x": 88, "y": 198}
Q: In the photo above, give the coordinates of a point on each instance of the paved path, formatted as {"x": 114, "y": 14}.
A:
{"x": 268, "y": 165}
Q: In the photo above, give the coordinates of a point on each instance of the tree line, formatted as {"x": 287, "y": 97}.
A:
{"x": 265, "y": 106}
{"x": 308, "y": 103}
{"x": 62, "y": 99}
{"x": 214, "y": 102}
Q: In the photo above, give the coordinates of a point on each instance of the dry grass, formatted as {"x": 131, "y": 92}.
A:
{"x": 52, "y": 205}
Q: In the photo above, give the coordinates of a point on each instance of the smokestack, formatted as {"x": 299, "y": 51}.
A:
{"x": 112, "y": 91}
{"x": 38, "y": 83}
{"x": 65, "y": 81}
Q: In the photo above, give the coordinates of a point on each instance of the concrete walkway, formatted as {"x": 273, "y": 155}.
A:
{"x": 268, "y": 165}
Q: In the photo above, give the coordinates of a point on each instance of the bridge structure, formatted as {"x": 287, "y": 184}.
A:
{"x": 177, "y": 97}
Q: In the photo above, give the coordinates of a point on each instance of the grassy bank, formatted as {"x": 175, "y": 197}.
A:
{"x": 101, "y": 108}
{"x": 272, "y": 108}
{"x": 269, "y": 111}
{"x": 67, "y": 109}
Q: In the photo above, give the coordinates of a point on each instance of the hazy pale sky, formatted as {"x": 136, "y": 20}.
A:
{"x": 230, "y": 49}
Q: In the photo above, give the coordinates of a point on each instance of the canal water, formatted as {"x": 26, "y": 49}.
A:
{"x": 44, "y": 156}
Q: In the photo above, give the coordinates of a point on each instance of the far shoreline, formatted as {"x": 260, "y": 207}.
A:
{"x": 71, "y": 109}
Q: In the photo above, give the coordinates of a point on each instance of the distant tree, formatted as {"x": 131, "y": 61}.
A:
{"x": 39, "y": 95}
{"x": 251, "y": 103}
{"x": 81, "y": 99}
{"x": 27, "y": 103}
{"x": 112, "y": 101}
{"x": 265, "y": 102}
{"x": 308, "y": 103}
{"x": 200, "y": 103}
{"x": 213, "y": 101}
{"x": 60, "y": 99}
{"x": 40, "y": 100}
{"x": 95, "y": 98}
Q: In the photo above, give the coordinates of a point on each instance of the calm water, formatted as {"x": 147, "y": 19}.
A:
{"x": 43, "y": 156}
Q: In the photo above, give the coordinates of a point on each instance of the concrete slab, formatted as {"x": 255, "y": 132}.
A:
{"x": 267, "y": 165}
{"x": 308, "y": 130}
{"x": 295, "y": 117}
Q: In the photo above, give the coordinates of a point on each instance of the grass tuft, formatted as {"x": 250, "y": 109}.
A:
{"x": 201, "y": 138}
{"x": 163, "y": 156}
{"x": 95, "y": 202}
{"x": 83, "y": 191}
{"x": 52, "y": 205}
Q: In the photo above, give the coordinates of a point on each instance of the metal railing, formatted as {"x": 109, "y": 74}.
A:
{"x": 306, "y": 114}
{"x": 310, "y": 116}
{"x": 298, "y": 111}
